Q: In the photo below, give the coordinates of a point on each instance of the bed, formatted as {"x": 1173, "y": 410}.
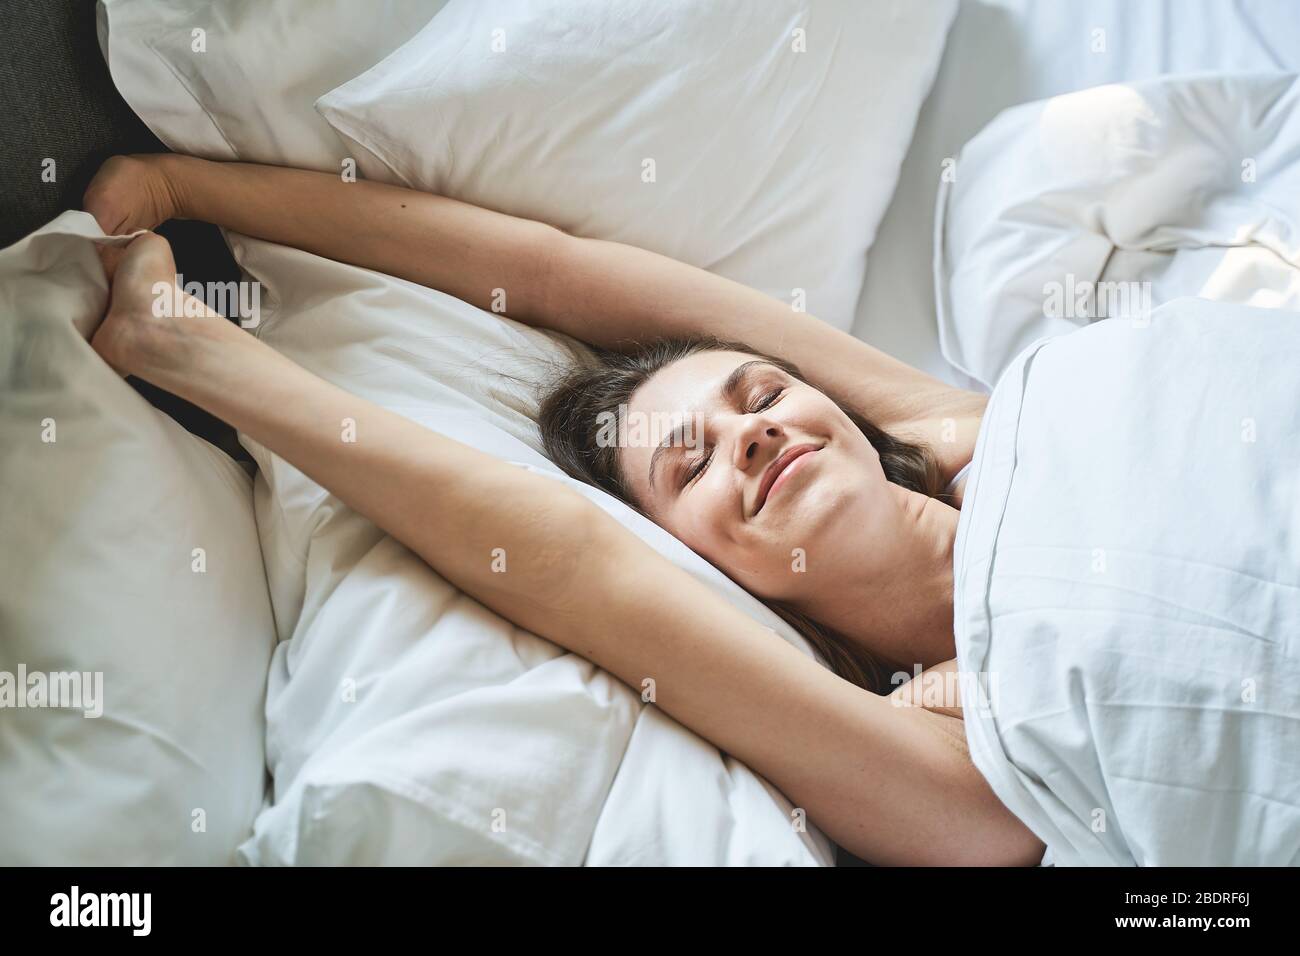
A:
{"x": 397, "y": 720}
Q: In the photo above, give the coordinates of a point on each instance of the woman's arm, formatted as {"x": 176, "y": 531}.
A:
{"x": 455, "y": 247}
{"x": 610, "y": 294}
{"x": 605, "y": 293}
{"x": 892, "y": 784}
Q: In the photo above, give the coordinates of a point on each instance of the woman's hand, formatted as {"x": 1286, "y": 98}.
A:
{"x": 132, "y": 192}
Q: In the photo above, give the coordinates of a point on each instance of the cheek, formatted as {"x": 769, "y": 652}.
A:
{"x": 699, "y": 520}
{"x": 705, "y": 519}
{"x": 757, "y": 556}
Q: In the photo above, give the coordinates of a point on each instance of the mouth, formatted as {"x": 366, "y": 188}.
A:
{"x": 778, "y": 471}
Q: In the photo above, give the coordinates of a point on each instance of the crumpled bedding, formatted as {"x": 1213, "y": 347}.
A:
{"x": 1059, "y": 209}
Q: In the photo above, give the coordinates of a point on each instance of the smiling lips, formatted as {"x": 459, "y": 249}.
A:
{"x": 779, "y": 470}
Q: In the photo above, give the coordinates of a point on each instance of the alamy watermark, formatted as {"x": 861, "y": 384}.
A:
{"x": 64, "y": 690}
{"x": 133, "y": 911}
{"x": 975, "y": 691}
{"x": 629, "y": 429}
{"x": 1086, "y": 299}
{"x": 240, "y": 299}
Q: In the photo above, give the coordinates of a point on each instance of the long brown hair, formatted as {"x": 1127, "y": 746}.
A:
{"x": 577, "y": 406}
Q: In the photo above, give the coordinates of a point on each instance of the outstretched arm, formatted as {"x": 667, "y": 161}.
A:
{"x": 892, "y": 784}
{"x": 605, "y": 293}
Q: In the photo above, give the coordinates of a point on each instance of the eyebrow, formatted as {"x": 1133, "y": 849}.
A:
{"x": 730, "y": 391}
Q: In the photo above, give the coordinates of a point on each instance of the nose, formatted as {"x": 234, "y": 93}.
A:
{"x": 756, "y": 442}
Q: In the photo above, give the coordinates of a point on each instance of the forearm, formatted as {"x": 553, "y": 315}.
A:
{"x": 464, "y": 250}
{"x": 612, "y": 294}
{"x": 504, "y": 535}
{"x": 564, "y": 568}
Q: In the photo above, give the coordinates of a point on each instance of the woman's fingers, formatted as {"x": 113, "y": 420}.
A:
{"x": 101, "y": 202}
{"x": 109, "y": 257}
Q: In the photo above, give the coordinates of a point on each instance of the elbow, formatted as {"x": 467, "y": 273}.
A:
{"x": 1001, "y": 839}
{"x": 1020, "y": 846}
{"x": 1013, "y": 845}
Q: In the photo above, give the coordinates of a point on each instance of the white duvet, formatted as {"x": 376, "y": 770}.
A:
{"x": 1128, "y": 589}
{"x": 1128, "y": 557}
{"x": 1115, "y": 199}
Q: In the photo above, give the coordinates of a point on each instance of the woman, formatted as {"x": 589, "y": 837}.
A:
{"x": 782, "y": 487}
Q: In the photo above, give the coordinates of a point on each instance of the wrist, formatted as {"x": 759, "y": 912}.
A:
{"x": 175, "y": 173}
{"x": 182, "y": 353}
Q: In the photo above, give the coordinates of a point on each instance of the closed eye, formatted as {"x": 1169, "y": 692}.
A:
{"x": 698, "y": 469}
{"x": 764, "y": 401}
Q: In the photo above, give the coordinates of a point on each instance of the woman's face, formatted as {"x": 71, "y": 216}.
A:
{"x": 766, "y": 477}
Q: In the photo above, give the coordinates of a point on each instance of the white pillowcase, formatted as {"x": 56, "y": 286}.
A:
{"x": 129, "y": 551}
{"x": 761, "y": 141}
{"x": 255, "y": 68}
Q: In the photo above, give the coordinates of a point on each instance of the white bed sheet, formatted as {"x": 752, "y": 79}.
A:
{"x": 1004, "y": 52}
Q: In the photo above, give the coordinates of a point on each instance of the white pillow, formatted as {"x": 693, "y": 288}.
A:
{"x": 761, "y": 141}
{"x": 129, "y": 551}
{"x": 406, "y": 723}
{"x": 255, "y": 67}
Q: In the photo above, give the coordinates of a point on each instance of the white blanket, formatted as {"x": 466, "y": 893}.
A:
{"x": 1115, "y": 199}
{"x": 1128, "y": 589}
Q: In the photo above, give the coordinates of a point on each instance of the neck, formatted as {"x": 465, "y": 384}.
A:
{"x": 901, "y": 612}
